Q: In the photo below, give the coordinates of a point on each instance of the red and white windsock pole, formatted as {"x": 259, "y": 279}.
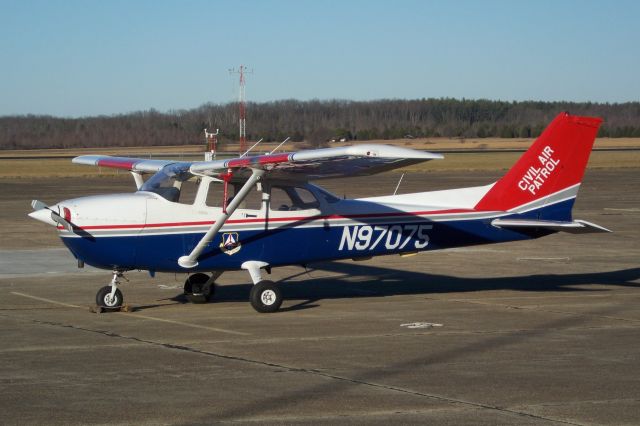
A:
{"x": 242, "y": 109}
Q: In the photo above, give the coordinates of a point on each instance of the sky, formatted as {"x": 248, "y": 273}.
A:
{"x": 94, "y": 57}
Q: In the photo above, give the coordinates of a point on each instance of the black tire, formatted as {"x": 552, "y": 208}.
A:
{"x": 266, "y": 297}
{"x": 103, "y": 299}
{"x": 196, "y": 289}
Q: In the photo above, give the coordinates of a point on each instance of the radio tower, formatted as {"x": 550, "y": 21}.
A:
{"x": 242, "y": 110}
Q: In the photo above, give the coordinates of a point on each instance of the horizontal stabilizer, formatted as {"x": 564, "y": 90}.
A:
{"x": 573, "y": 227}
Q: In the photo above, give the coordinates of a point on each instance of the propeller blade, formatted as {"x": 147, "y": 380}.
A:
{"x": 38, "y": 205}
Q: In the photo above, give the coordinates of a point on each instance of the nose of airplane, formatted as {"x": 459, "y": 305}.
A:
{"x": 55, "y": 215}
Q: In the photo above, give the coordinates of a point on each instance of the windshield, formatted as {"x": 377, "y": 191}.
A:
{"x": 168, "y": 181}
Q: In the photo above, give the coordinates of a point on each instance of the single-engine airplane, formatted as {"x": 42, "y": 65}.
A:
{"x": 258, "y": 212}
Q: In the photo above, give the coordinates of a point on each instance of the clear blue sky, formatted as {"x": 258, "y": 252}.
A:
{"x": 89, "y": 57}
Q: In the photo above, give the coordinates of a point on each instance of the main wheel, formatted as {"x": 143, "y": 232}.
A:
{"x": 196, "y": 288}
{"x": 266, "y": 297}
{"x": 104, "y": 300}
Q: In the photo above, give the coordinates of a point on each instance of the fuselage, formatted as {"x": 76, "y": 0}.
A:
{"x": 150, "y": 230}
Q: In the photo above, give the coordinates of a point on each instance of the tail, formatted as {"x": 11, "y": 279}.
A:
{"x": 549, "y": 172}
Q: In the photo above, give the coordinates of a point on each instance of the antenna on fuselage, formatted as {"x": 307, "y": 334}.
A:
{"x": 398, "y": 185}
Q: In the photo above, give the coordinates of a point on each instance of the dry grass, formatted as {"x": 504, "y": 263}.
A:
{"x": 493, "y": 143}
{"x": 422, "y": 144}
{"x": 504, "y": 160}
{"x": 50, "y": 168}
{"x": 37, "y": 168}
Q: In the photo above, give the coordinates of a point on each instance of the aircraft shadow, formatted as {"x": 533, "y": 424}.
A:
{"x": 378, "y": 281}
{"x": 403, "y": 282}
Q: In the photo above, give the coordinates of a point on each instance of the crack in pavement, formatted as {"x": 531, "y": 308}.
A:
{"x": 173, "y": 346}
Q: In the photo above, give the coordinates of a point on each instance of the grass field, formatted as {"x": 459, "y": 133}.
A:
{"x": 427, "y": 144}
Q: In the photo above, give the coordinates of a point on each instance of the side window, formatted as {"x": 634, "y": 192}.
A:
{"x": 328, "y": 197}
{"x": 253, "y": 201}
{"x": 290, "y": 199}
{"x": 280, "y": 200}
{"x": 214, "y": 194}
{"x": 188, "y": 191}
{"x": 305, "y": 199}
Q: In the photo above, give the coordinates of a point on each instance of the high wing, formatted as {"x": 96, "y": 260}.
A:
{"x": 358, "y": 160}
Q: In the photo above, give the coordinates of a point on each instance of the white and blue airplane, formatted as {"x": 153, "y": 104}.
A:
{"x": 259, "y": 212}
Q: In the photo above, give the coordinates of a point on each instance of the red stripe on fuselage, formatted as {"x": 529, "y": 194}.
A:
{"x": 281, "y": 219}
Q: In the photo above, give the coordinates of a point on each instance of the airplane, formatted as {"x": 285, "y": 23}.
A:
{"x": 257, "y": 212}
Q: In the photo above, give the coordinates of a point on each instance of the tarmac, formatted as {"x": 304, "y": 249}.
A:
{"x": 537, "y": 332}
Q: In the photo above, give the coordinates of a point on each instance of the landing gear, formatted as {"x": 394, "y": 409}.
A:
{"x": 266, "y": 297}
{"x": 199, "y": 288}
{"x": 110, "y": 296}
{"x": 104, "y": 299}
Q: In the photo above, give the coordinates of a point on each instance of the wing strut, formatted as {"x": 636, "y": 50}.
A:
{"x": 191, "y": 260}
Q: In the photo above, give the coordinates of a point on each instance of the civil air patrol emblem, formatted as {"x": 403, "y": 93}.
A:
{"x": 230, "y": 243}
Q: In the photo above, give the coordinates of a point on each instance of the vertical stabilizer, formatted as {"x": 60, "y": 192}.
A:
{"x": 552, "y": 167}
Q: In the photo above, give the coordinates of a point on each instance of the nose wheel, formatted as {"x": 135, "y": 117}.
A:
{"x": 104, "y": 299}
{"x": 110, "y": 296}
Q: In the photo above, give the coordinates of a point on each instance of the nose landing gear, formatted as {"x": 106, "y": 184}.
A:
{"x": 110, "y": 296}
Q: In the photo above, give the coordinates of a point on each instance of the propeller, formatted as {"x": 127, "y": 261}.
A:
{"x": 46, "y": 214}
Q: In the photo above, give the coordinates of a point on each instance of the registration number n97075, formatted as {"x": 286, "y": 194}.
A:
{"x": 391, "y": 237}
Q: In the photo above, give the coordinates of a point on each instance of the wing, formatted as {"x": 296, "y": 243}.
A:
{"x": 305, "y": 165}
{"x": 139, "y": 165}
{"x": 345, "y": 161}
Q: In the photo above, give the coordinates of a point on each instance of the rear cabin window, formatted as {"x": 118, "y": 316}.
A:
{"x": 292, "y": 198}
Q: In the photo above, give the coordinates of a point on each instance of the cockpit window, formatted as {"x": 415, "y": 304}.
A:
{"x": 174, "y": 183}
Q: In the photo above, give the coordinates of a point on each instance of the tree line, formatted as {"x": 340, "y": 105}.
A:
{"x": 314, "y": 122}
